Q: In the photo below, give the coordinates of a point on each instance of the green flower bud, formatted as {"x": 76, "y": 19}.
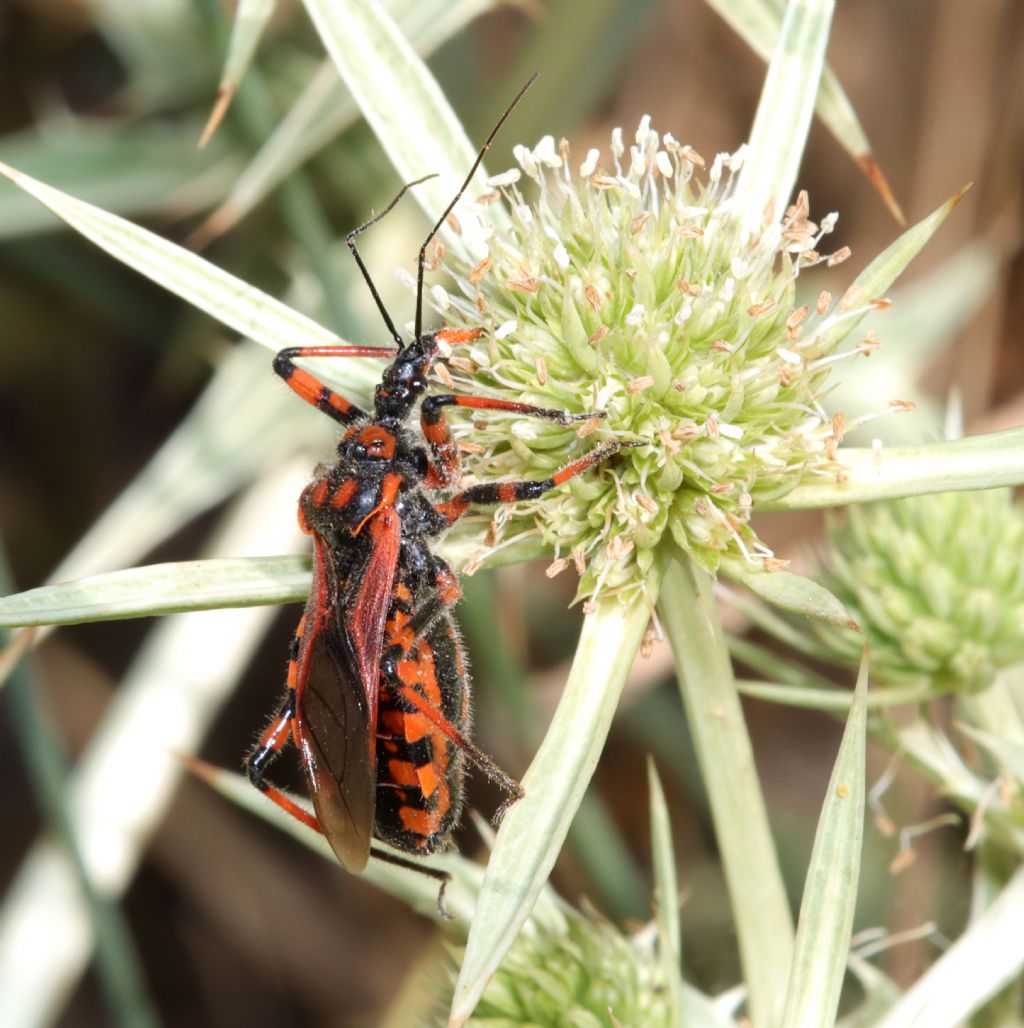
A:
{"x": 577, "y": 974}
{"x": 633, "y": 290}
{"x": 936, "y": 583}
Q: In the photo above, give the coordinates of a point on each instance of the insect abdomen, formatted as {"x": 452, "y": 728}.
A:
{"x": 419, "y": 768}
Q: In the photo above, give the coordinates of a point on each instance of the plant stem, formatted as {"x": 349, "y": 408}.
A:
{"x": 764, "y": 923}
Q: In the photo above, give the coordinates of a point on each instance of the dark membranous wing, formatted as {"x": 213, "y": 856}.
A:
{"x": 338, "y": 681}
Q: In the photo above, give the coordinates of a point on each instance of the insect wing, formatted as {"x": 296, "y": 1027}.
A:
{"x": 368, "y": 601}
{"x": 335, "y": 746}
{"x": 333, "y": 721}
{"x": 339, "y": 682}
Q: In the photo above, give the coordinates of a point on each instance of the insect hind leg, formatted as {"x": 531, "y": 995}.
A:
{"x": 402, "y": 643}
{"x": 267, "y": 749}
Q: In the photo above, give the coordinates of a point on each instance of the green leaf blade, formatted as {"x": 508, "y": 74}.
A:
{"x": 405, "y": 107}
{"x": 534, "y": 828}
{"x": 230, "y": 300}
{"x": 784, "y": 113}
{"x": 977, "y": 462}
{"x": 830, "y": 895}
{"x": 161, "y": 589}
{"x": 758, "y": 23}
{"x": 794, "y": 593}
{"x": 757, "y": 895}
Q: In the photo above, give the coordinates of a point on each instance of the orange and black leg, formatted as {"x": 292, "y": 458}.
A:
{"x": 273, "y": 741}
{"x": 490, "y": 493}
{"x": 444, "y": 471}
{"x": 312, "y": 390}
{"x": 397, "y": 649}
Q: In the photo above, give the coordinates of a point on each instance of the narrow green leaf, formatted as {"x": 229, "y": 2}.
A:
{"x": 928, "y": 315}
{"x": 405, "y": 107}
{"x": 830, "y": 891}
{"x": 758, "y": 23}
{"x": 666, "y": 896}
{"x": 978, "y": 462}
{"x": 251, "y": 17}
{"x": 161, "y": 589}
{"x": 666, "y": 886}
{"x": 834, "y": 701}
{"x": 988, "y": 956}
{"x": 792, "y": 592}
{"x": 757, "y": 894}
{"x": 534, "y": 828}
{"x": 784, "y": 113}
{"x": 873, "y": 282}
{"x": 228, "y": 299}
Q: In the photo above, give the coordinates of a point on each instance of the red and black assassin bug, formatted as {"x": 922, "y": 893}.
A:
{"x": 378, "y": 696}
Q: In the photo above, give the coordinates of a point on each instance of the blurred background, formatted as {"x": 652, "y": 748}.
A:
{"x": 232, "y": 921}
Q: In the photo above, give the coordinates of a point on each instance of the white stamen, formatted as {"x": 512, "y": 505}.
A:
{"x": 440, "y": 295}
{"x": 561, "y": 255}
{"x": 589, "y": 165}
{"x": 544, "y": 153}
{"x": 506, "y": 178}
{"x": 506, "y": 329}
{"x": 525, "y": 160}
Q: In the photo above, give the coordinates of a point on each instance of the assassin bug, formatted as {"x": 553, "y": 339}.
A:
{"x": 377, "y": 698}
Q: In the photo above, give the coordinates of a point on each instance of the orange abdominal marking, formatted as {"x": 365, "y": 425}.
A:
{"x": 344, "y": 493}
{"x": 403, "y": 773}
{"x": 319, "y": 495}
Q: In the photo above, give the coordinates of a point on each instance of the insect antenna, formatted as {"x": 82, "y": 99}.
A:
{"x": 455, "y": 200}
{"x": 351, "y": 240}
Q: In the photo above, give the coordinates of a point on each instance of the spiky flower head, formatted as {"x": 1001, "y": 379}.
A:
{"x": 577, "y": 973}
{"x": 937, "y": 584}
{"x": 629, "y": 286}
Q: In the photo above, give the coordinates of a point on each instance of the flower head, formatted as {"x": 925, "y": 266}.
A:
{"x": 578, "y": 973}
{"x": 630, "y": 288}
{"x": 937, "y": 584}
